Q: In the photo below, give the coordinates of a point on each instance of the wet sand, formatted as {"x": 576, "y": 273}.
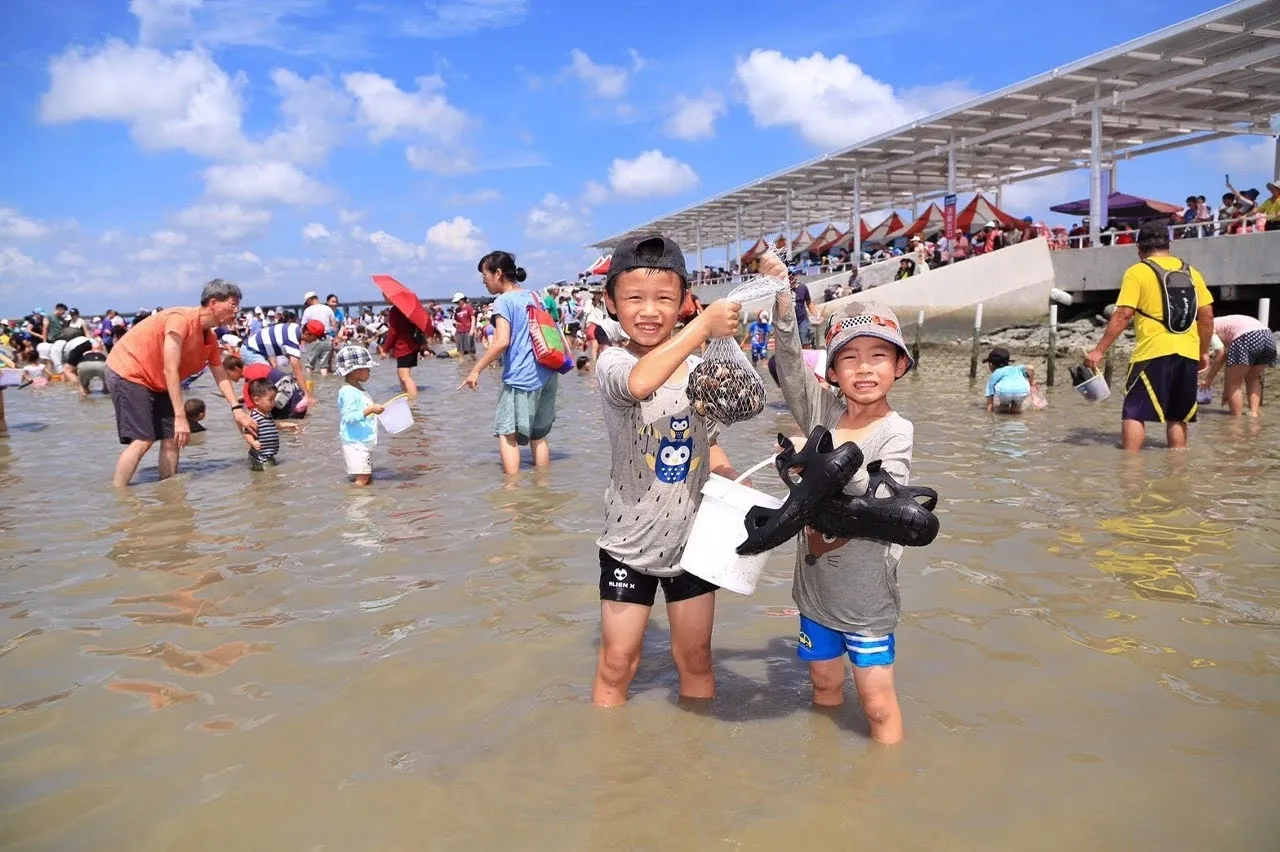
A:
{"x": 1089, "y": 656}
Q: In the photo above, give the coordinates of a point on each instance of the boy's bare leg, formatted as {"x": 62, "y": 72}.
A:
{"x": 622, "y": 628}
{"x": 879, "y": 702}
{"x": 827, "y": 677}
{"x": 541, "y": 452}
{"x": 691, "y": 625}
{"x": 1132, "y": 434}
{"x": 509, "y": 452}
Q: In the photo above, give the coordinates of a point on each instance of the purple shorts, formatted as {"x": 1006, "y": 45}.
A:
{"x": 1161, "y": 390}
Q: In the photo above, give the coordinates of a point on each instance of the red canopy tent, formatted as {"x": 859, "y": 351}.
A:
{"x": 846, "y": 242}
{"x": 798, "y": 245}
{"x": 978, "y": 212}
{"x": 754, "y": 252}
{"x": 886, "y": 231}
{"x": 931, "y": 221}
{"x": 823, "y": 242}
{"x": 601, "y": 266}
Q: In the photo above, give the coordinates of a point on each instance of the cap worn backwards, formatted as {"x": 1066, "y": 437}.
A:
{"x": 866, "y": 319}
{"x": 648, "y": 251}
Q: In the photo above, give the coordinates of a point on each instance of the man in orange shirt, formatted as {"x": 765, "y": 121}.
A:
{"x": 145, "y": 371}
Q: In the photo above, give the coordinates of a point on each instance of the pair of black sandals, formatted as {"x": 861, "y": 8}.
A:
{"x": 816, "y": 499}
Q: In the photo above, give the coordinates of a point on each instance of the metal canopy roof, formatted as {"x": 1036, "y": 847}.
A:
{"x": 1206, "y": 78}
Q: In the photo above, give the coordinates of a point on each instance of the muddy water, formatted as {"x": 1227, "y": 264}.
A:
{"x": 1089, "y": 658}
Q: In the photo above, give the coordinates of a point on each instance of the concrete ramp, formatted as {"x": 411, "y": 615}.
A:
{"x": 1012, "y": 284}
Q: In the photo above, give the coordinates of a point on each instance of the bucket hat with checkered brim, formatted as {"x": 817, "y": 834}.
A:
{"x": 865, "y": 319}
{"x": 351, "y": 358}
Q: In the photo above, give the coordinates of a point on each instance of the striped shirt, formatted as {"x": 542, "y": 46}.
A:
{"x": 268, "y": 437}
{"x": 276, "y": 340}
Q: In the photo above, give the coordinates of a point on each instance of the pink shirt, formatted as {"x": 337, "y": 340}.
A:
{"x": 1230, "y": 327}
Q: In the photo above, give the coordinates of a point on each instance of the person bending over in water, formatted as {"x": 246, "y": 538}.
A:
{"x": 847, "y": 590}
{"x": 662, "y": 454}
{"x": 1009, "y": 386}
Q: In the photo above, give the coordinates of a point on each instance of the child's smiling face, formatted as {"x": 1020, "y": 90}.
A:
{"x": 647, "y": 303}
{"x": 866, "y": 368}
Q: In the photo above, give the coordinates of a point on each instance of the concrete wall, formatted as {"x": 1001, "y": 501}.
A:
{"x": 1012, "y": 284}
{"x": 1244, "y": 260}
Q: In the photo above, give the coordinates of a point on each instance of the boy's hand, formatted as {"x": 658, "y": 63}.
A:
{"x": 771, "y": 266}
{"x": 721, "y": 318}
{"x": 252, "y": 441}
{"x": 377, "y": 409}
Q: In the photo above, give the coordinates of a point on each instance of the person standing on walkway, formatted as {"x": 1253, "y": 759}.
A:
{"x": 527, "y": 403}
{"x": 145, "y": 371}
{"x": 1172, "y": 312}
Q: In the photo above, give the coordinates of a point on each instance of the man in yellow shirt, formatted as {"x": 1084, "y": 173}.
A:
{"x": 1160, "y": 386}
{"x": 1271, "y": 207}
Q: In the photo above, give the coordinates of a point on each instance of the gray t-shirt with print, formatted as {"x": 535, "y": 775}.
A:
{"x": 851, "y": 585}
{"x": 661, "y": 460}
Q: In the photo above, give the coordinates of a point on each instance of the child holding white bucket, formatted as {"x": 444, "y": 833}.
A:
{"x": 847, "y": 590}
{"x": 662, "y": 454}
{"x": 357, "y": 413}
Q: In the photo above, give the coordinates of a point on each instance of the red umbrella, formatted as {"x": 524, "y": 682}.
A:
{"x": 404, "y": 300}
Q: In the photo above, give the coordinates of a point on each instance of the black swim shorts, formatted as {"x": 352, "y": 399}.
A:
{"x": 625, "y": 585}
{"x": 407, "y": 361}
{"x": 141, "y": 413}
{"x": 1161, "y": 390}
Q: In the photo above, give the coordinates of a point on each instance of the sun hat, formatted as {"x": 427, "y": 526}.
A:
{"x": 315, "y": 328}
{"x": 1274, "y": 185}
{"x": 351, "y": 358}
{"x": 865, "y": 319}
{"x": 647, "y": 251}
{"x": 457, "y": 297}
{"x": 998, "y": 356}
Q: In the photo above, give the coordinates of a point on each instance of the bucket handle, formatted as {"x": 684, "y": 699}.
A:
{"x": 754, "y": 468}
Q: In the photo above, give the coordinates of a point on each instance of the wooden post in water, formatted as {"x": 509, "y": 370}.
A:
{"x": 1107, "y": 369}
{"x": 1053, "y": 345}
{"x": 915, "y": 347}
{"x": 977, "y": 334}
{"x": 1264, "y": 317}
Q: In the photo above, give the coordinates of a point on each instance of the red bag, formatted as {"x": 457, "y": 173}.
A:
{"x": 549, "y": 346}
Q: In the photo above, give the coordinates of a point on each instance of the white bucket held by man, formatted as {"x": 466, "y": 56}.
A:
{"x": 720, "y": 526}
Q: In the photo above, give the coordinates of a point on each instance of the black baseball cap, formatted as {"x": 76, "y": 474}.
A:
{"x": 647, "y": 251}
{"x": 999, "y": 355}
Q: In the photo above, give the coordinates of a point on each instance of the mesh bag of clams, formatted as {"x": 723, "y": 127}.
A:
{"x": 725, "y": 387}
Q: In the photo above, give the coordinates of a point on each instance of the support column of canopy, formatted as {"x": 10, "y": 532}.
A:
{"x": 1095, "y": 171}
{"x": 951, "y": 190}
{"x": 737, "y": 242}
{"x": 697, "y": 237}
{"x": 787, "y": 225}
{"x": 856, "y": 224}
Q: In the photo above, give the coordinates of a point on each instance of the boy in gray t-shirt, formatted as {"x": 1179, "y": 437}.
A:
{"x": 847, "y": 589}
{"x": 662, "y": 454}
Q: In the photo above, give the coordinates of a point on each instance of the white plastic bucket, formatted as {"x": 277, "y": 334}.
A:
{"x": 718, "y": 529}
{"x": 396, "y": 415}
{"x": 10, "y": 378}
{"x": 1094, "y": 389}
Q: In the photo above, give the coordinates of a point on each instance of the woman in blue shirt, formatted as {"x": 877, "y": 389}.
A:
{"x": 527, "y": 403}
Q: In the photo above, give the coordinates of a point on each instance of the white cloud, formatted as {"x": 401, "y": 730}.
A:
{"x": 70, "y": 258}
{"x": 392, "y": 248}
{"x": 832, "y": 102}
{"x": 695, "y": 118}
{"x": 170, "y": 239}
{"x": 605, "y": 81}
{"x": 387, "y": 111}
{"x": 594, "y": 193}
{"x": 471, "y": 199}
{"x": 316, "y": 118}
{"x": 315, "y": 231}
{"x": 1246, "y": 157}
{"x": 15, "y": 226}
{"x": 346, "y": 217}
{"x": 15, "y": 263}
{"x": 450, "y": 18}
{"x": 1033, "y": 197}
{"x": 243, "y": 258}
{"x": 456, "y": 237}
{"x": 263, "y": 182}
{"x": 227, "y": 222}
{"x": 553, "y": 220}
{"x": 651, "y": 174}
{"x": 158, "y": 19}
{"x": 181, "y": 100}
{"x": 438, "y": 162}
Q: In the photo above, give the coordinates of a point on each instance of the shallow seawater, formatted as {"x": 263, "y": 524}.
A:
{"x": 1089, "y": 655}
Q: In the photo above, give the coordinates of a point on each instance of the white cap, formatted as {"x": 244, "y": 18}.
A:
{"x": 457, "y": 297}
{"x": 993, "y": 224}
{"x": 311, "y": 294}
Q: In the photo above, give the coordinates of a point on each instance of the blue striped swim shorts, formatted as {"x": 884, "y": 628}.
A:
{"x": 818, "y": 642}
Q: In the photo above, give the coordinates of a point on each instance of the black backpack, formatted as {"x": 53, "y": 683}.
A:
{"x": 1178, "y": 293}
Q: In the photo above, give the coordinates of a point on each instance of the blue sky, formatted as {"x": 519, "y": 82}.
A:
{"x": 304, "y": 144}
